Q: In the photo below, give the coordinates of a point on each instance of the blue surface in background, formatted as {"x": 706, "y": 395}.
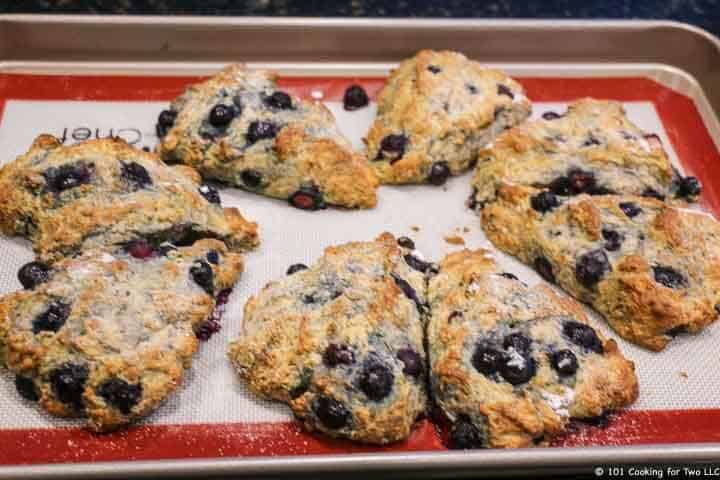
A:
{"x": 703, "y": 13}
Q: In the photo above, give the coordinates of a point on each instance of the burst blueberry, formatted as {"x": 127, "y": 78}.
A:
{"x": 413, "y": 363}
{"x": 582, "y": 335}
{"x": 338, "y": 354}
{"x": 688, "y": 187}
{"x": 307, "y": 197}
{"x": 65, "y": 177}
{"x": 53, "y": 318}
{"x": 251, "y": 178}
{"x": 26, "y": 387}
{"x": 135, "y": 174}
{"x": 210, "y": 193}
{"x": 464, "y": 435}
{"x": 544, "y": 268}
{"x": 406, "y": 242}
{"x": 518, "y": 341}
{"x": 120, "y": 394}
{"x": 505, "y": 90}
{"x": 591, "y": 267}
{"x": 376, "y": 380}
{"x": 279, "y": 100}
{"x": 331, "y": 413}
{"x": 486, "y": 358}
{"x": 544, "y": 202}
{"x": 564, "y": 362}
{"x": 68, "y": 384}
{"x": 213, "y": 257}
{"x": 392, "y": 148}
{"x": 669, "y": 277}
{"x": 417, "y": 264}
{"x": 630, "y": 209}
{"x": 165, "y": 121}
{"x": 296, "y": 267}
{"x": 259, "y": 130}
{"x": 140, "y": 249}
{"x": 613, "y": 240}
{"x": 202, "y": 273}
{"x": 355, "y": 97}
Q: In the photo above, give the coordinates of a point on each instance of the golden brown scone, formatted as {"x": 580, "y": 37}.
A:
{"x": 436, "y": 112}
{"x": 104, "y": 192}
{"x": 650, "y": 269}
{"x": 237, "y": 127}
{"x": 108, "y": 335}
{"x": 593, "y": 148}
{"x": 511, "y": 365}
{"x": 341, "y": 342}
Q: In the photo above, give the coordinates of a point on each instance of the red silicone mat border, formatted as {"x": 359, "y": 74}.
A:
{"x": 685, "y": 128}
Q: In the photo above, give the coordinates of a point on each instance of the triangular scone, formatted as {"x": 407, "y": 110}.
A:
{"x": 511, "y": 365}
{"x": 240, "y": 128}
{"x": 650, "y": 269}
{"x": 592, "y": 148}
{"x": 108, "y": 335}
{"x": 66, "y": 199}
{"x": 436, "y": 112}
{"x": 341, "y": 342}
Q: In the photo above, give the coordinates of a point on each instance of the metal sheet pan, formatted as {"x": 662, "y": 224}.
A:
{"x": 681, "y": 57}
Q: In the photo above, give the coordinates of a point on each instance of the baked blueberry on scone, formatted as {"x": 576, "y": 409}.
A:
{"x": 341, "y": 341}
{"x": 104, "y": 192}
{"x": 652, "y": 270}
{"x": 107, "y": 334}
{"x": 510, "y": 365}
{"x": 238, "y": 127}
{"x": 592, "y": 148}
{"x": 436, "y": 112}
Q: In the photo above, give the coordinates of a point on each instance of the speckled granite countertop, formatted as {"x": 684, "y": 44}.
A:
{"x": 703, "y": 13}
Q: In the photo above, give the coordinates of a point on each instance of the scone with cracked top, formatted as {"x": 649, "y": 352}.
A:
{"x": 341, "y": 341}
{"x": 651, "y": 269}
{"x": 592, "y": 148}
{"x": 238, "y": 127}
{"x": 100, "y": 193}
{"x": 437, "y": 110}
{"x": 510, "y": 365}
{"x": 108, "y": 334}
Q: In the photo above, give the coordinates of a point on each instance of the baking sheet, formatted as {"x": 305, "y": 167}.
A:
{"x": 212, "y": 416}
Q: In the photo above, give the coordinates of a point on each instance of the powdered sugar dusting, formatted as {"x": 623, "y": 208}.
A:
{"x": 559, "y": 403}
{"x": 516, "y": 359}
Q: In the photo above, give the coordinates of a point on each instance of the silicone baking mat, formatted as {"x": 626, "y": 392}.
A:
{"x": 212, "y": 414}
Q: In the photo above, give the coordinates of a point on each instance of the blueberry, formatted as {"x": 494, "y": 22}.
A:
{"x": 580, "y": 181}
{"x": 509, "y": 275}
{"x": 221, "y": 115}
{"x": 544, "y": 268}
{"x": 409, "y": 291}
{"x": 279, "y": 100}
{"x": 544, "y": 202}
{"x": 486, "y": 359}
{"x": 140, "y": 249}
{"x": 505, "y": 90}
{"x": 433, "y": 69}
{"x": 551, "y": 116}
{"x": 439, "y": 173}
{"x": 517, "y": 368}
{"x": 465, "y": 435}
{"x": 52, "y": 319}
{"x": 355, "y": 97}
{"x": 376, "y": 380}
{"x": 68, "y": 383}
{"x": 412, "y": 361}
{"x": 135, "y": 174}
{"x": 307, "y": 198}
{"x": 613, "y": 240}
{"x": 688, "y": 187}
{"x": 338, "y": 354}
{"x": 591, "y": 267}
{"x": 331, "y": 413}
{"x": 296, "y": 267}
{"x": 406, "y": 242}
{"x": 630, "y": 209}
{"x": 258, "y": 130}
{"x": 652, "y": 193}
{"x": 560, "y": 186}
{"x": 210, "y": 193}
{"x": 213, "y": 257}
{"x": 165, "y": 121}
{"x": 251, "y": 178}
{"x": 202, "y": 273}
{"x": 519, "y": 342}
{"x": 669, "y": 277}
{"x": 564, "y": 361}
{"x": 583, "y": 335}
{"x": 417, "y": 264}
{"x": 207, "y": 329}
{"x": 675, "y": 331}
{"x": 120, "y": 394}
{"x": 25, "y": 386}
{"x": 65, "y": 177}
{"x": 392, "y": 148}
{"x": 33, "y": 274}
{"x": 472, "y": 89}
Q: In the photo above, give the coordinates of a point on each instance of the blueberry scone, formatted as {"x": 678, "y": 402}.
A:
{"x": 341, "y": 342}
{"x": 436, "y": 112}
{"x": 651, "y": 269}
{"x": 239, "y": 128}
{"x": 108, "y": 335}
{"x": 104, "y": 192}
{"x": 593, "y": 148}
{"x": 510, "y": 365}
